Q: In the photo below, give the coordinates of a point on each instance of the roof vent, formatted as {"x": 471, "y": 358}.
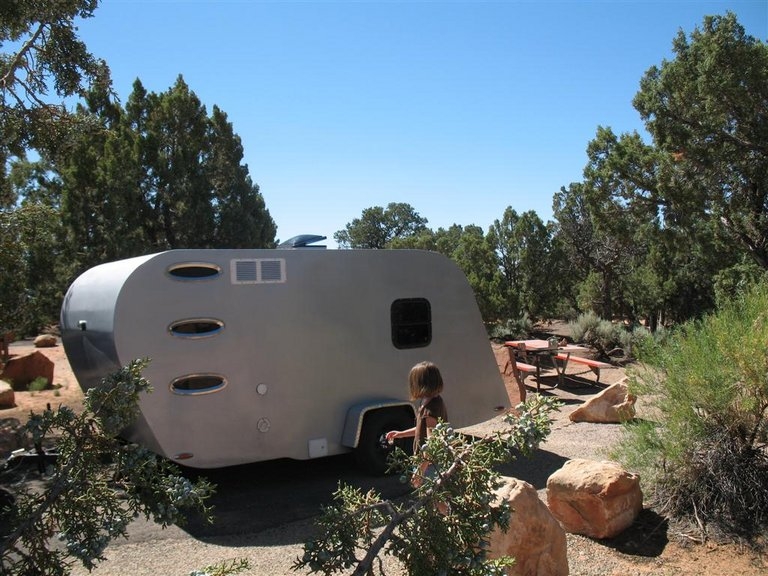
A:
{"x": 301, "y": 241}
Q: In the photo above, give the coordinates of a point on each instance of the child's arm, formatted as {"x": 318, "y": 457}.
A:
{"x": 393, "y": 435}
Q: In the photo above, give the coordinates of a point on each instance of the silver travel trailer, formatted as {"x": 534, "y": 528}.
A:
{"x": 295, "y": 353}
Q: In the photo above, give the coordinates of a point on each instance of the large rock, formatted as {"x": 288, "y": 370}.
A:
{"x": 535, "y": 538}
{"x": 21, "y": 370}
{"x": 613, "y": 405}
{"x": 596, "y": 499}
{"x": 7, "y": 395}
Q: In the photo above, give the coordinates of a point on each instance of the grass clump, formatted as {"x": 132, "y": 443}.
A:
{"x": 704, "y": 456}
{"x": 38, "y": 384}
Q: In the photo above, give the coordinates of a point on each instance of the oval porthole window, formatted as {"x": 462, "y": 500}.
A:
{"x": 196, "y": 327}
{"x": 198, "y": 384}
{"x": 194, "y": 271}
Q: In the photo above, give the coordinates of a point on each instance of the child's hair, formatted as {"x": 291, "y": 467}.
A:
{"x": 425, "y": 380}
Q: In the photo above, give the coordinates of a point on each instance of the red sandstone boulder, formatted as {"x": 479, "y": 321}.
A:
{"x": 613, "y": 405}
{"x": 596, "y": 499}
{"x": 21, "y": 370}
{"x": 535, "y": 538}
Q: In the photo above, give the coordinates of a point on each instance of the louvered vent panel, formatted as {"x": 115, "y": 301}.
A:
{"x": 246, "y": 271}
{"x": 258, "y": 271}
{"x": 271, "y": 271}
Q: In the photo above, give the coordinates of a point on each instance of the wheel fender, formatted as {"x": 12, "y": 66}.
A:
{"x": 353, "y": 424}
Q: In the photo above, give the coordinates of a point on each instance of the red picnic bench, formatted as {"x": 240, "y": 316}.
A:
{"x": 521, "y": 370}
{"x": 562, "y": 359}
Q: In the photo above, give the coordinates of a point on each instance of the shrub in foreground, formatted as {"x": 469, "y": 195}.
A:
{"x": 443, "y": 527}
{"x": 97, "y": 487}
{"x": 703, "y": 457}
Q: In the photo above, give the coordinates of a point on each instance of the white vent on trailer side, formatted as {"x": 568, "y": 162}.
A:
{"x": 258, "y": 271}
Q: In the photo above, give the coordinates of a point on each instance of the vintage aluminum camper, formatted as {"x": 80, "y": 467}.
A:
{"x": 267, "y": 354}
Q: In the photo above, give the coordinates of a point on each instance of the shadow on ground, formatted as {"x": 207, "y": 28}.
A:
{"x": 534, "y": 470}
{"x": 255, "y": 497}
{"x": 646, "y": 537}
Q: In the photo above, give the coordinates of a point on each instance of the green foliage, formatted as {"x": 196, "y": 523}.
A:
{"x": 443, "y": 527}
{"x": 38, "y": 384}
{"x": 654, "y": 223}
{"x": 523, "y": 248}
{"x": 591, "y": 293}
{"x": 30, "y": 292}
{"x": 48, "y": 57}
{"x": 700, "y": 109}
{"x": 605, "y": 336}
{"x": 223, "y": 568}
{"x": 731, "y": 282}
{"x": 99, "y": 484}
{"x": 604, "y": 243}
{"x": 706, "y": 163}
{"x": 704, "y": 457}
{"x": 378, "y": 227}
{"x": 474, "y": 254}
{"x": 590, "y": 329}
{"x": 165, "y": 175}
{"x": 512, "y": 329}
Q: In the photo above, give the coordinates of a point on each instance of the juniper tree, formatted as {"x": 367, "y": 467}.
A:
{"x": 98, "y": 485}
{"x": 444, "y": 525}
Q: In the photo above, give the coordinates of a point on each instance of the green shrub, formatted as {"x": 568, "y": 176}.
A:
{"x": 703, "y": 458}
{"x": 605, "y": 336}
{"x": 38, "y": 384}
{"x": 633, "y": 341}
{"x": 443, "y": 526}
{"x": 512, "y": 329}
{"x": 88, "y": 499}
{"x": 592, "y": 330}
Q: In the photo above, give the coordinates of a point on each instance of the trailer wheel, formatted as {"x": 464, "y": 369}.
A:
{"x": 372, "y": 450}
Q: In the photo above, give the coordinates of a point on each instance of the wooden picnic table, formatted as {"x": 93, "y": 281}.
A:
{"x": 532, "y": 351}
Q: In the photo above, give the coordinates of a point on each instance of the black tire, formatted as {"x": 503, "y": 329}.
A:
{"x": 371, "y": 453}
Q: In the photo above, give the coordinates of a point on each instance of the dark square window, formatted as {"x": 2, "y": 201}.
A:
{"x": 411, "y": 323}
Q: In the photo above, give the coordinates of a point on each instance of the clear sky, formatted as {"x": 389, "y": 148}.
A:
{"x": 459, "y": 108}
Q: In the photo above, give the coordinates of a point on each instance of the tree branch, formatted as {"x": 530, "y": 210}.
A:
{"x": 15, "y": 62}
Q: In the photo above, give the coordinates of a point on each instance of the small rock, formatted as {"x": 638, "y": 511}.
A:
{"x": 7, "y": 395}
{"x": 611, "y": 406}
{"x": 45, "y": 341}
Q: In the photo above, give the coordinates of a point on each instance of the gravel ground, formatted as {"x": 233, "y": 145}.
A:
{"x": 272, "y": 551}
{"x": 649, "y": 547}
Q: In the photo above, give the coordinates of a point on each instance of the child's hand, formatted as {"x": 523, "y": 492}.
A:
{"x": 391, "y": 436}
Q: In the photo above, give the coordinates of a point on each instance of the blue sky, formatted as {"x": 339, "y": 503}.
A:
{"x": 460, "y": 108}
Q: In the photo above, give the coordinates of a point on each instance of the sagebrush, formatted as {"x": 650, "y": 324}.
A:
{"x": 703, "y": 454}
